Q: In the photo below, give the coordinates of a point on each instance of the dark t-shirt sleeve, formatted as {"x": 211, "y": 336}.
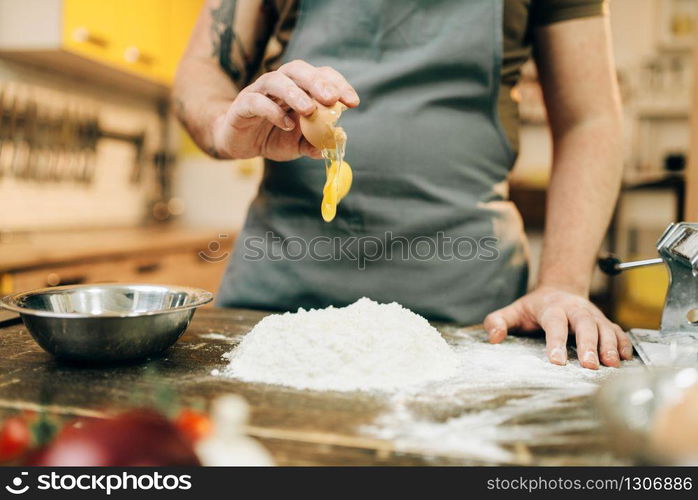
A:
{"x": 553, "y": 11}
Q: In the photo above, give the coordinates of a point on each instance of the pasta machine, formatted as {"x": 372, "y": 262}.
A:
{"x": 676, "y": 341}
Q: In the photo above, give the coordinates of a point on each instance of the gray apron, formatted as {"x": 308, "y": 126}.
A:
{"x": 426, "y": 223}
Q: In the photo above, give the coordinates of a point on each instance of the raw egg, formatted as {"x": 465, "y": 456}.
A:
{"x": 336, "y": 187}
{"x": 321, "y": 131}
{"x": 319, "y": 128}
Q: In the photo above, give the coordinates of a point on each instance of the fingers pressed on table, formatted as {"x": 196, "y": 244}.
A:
{"x": 554, "y": 322}
{"x": 500, "y": 322}
{"x": 625, "y": 347}
{"x": 587, "y": 334}
{"x": 608, "y": 344}
{"x": 496, "y": 328}
{"x": 599, "y": 341}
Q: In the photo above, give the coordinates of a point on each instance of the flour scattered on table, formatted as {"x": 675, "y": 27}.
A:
{"x": 453, "y": 396}
{"x": 505, "y": 393}
{"x": 364, "y": 346}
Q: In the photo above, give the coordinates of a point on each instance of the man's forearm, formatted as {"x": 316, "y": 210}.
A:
{"x": 212, "y": 66}
{"x": 587, "y": 170}
{"x": 576, "y": 71}
{"x": 202, "y": 93}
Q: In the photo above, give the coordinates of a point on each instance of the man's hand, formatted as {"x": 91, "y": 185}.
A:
{"x": 263, "y": 118}
{"x": 554, "y": 309}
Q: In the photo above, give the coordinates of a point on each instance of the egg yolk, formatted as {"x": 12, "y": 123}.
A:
{"x": 337, "y": 185}
{"x": 339, "y": 177}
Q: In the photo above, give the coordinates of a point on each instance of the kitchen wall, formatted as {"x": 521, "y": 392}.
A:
{"x": 110, "y": 200}
{"x": 214, "y": 193}
{"x": 634, "y": 36}
{"x": 86, "y": 82}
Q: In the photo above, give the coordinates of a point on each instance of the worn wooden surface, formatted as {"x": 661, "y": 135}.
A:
{"x": 298, "y": 427}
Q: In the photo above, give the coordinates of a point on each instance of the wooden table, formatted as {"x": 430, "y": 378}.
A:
{"x": 298, "y": 427}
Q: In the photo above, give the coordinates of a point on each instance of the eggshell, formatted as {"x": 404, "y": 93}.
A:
{"x": 319, "y": 128}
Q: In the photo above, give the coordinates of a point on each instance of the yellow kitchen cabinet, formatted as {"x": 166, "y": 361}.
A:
{"x": 125, "y": 38}
{"x": 145, "y": 37}
{"x": 183, "y": 16}
{"x": 127, "y": 33}
{"x": 89, "y": 29}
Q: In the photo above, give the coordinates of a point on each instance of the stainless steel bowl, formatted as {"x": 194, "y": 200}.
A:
{"x": 107, "y": 322}
{"x": 630, "y": 402}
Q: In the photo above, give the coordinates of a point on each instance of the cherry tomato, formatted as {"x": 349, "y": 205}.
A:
{"x": 138, "y": 437}
{"x": 192, "y": 424}
{"x": 14, "y": 438}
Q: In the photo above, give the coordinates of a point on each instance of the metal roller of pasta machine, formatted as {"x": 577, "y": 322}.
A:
{"x": 676, "y": 342}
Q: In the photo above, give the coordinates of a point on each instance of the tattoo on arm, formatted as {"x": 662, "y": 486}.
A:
{"x": 223, "y": 37}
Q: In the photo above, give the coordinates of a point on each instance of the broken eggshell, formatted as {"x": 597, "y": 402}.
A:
{"x": 319, "y": 128}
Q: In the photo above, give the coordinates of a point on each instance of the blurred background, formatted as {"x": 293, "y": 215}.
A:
{"x": 99, "y": 183}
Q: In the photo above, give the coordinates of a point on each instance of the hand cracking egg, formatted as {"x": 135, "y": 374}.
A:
{"x": 321, "y": 131}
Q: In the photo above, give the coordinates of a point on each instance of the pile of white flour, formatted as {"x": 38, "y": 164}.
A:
{"x": 364, "y": 346}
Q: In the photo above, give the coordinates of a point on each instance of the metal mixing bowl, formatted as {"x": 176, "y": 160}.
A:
{"x": 630, "y": 402}
{"x": 107, "y": 322}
